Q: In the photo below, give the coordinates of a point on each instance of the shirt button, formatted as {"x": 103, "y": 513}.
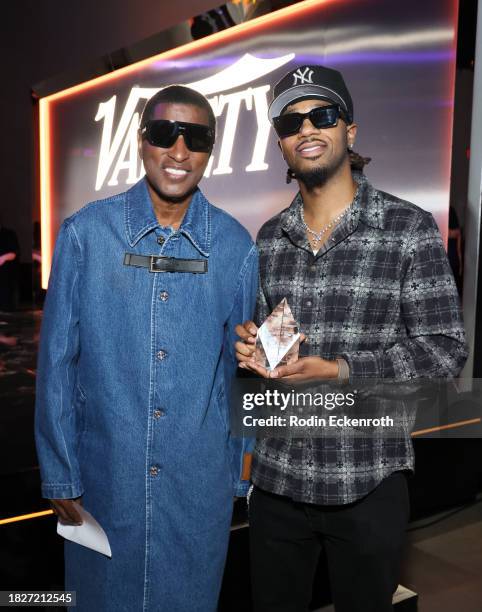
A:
{"x": 154, "y": 470}
{"x": 313, "y": 268}
{"x": 164, "y": 296}
{"x": 309, "y": 303}
{"x": 161, "y": 355}
{"x": 158, "y": 413}
{"x": 161, "y": 240}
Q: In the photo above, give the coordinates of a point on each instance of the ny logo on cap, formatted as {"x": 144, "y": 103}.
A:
{"x": 303, "y": 75}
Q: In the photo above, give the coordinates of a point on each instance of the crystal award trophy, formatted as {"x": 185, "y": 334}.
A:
{"x": 278, "y": 338}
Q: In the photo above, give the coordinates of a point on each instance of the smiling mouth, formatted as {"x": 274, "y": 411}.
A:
{"x": 175, "y": 172}
{"x": 307, "y": 149}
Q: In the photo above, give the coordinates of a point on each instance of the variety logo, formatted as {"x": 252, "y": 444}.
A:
{"x": 118, "y": 148}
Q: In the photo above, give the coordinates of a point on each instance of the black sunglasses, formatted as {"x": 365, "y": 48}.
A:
{"x": 163, "y": 133}
{"x": 321, "y": 117}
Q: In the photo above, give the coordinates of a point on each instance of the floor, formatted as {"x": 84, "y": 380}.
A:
{"x": 443, "y": 563}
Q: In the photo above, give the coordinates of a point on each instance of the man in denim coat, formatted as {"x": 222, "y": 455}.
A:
{"x": 135, "y": 361}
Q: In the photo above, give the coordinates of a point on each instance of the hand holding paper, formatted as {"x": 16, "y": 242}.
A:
{"x": 89, "y": 534}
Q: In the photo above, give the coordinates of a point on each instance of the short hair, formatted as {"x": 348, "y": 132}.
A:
{"x": 177, "y": 94}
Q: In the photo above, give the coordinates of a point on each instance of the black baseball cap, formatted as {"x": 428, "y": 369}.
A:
{"x": 306, "y": 82}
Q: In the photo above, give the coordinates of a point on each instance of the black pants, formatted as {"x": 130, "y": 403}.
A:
{"x": 363, "y": 543}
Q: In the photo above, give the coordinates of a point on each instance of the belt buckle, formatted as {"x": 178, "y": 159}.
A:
{"x": 151, "y": 266}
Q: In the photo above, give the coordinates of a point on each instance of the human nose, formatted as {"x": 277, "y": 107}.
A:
{"x": 179, "y": 150}
{"x": 307, "y": 127}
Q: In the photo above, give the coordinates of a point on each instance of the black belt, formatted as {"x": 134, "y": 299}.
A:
{"x": 157, "y": 263}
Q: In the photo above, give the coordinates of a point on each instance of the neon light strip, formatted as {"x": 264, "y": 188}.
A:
{"x": 45, "y": 192}
{"x": 25, "y": 517}
{"x": 44, "y": 106}
{"x": 421, "y": 432}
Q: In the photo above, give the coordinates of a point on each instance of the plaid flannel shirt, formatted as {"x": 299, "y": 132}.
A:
{"x": 381, "y": 295}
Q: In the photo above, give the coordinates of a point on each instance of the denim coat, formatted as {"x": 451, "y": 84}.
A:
{"x": 131, "y": 408}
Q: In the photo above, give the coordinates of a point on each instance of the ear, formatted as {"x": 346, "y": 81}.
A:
{"x": 351, "y": 132}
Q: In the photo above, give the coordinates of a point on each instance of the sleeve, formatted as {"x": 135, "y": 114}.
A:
{"x": 435, "y": 346}
{"x": 56, "y": 391}
{"x": 244, "y": 303}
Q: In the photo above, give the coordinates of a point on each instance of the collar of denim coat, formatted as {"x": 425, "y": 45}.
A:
{"x": 367, "y": 207}
{"x": 140, "y": 218}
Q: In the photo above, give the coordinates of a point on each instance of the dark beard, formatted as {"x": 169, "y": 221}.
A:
{"x": 314, "y": 178}
{"x": 318, "y": 177}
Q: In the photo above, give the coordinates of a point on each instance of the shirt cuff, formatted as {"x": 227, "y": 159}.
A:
{"x": 62, "y": 491}
{"x": 241, "y": 490}
{"x": 343, "y": 369}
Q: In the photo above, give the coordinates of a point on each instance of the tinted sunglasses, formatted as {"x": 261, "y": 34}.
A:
{"x": 321, "y": 117}
{"x": 163, "y": 133}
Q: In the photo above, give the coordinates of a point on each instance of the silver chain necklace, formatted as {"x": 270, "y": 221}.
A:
{"x": 318, "y": 236}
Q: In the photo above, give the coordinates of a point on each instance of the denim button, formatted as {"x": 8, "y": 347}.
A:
{"x": 161, "y": 240}
{"x": 161, "y": 355}
{"x": 164, "y": 296}
{"x": 158, "y": 413}
{"x": 154, "y": 471}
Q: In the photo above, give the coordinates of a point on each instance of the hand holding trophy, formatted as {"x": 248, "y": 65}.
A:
{"x": 272, "y": 350}
{"x": 278, "y": 338}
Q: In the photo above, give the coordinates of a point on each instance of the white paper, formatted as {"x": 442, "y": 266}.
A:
{"x": 89, "y": 534}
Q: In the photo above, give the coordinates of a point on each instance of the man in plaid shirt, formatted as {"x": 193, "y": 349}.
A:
{"x": 368, "y": 280}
